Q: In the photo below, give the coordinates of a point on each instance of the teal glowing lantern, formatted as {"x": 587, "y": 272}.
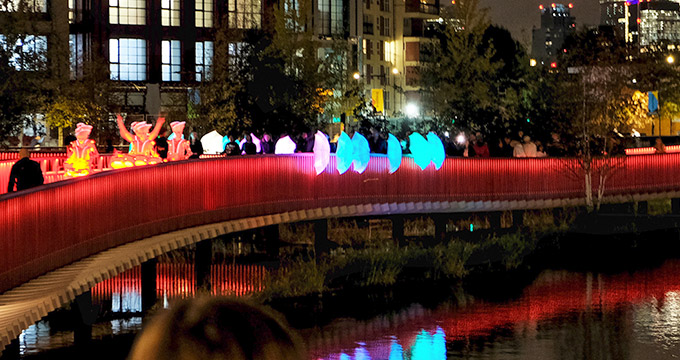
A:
{"x": 322, "y": 152}
{"x": 362, "y": 152}
{"x": 420, "y": 149}
{"x": 437, "y": 148}
{"x": 345, "y": 153}
{"x": 393, "y": 153}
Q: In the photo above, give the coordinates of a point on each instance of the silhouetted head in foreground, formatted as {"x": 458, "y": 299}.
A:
{"x": 216, "y": 328}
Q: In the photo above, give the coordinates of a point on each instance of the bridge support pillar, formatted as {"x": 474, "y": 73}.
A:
{"x": 202, "y": 265}
{"x": 675, "y": 206}
{"x": 495, "y": 219}
{"x": 12, "y": 351}
{"x": 642, "y": 208}
{"x": 517, "y": 218}
{"x": 272, "y": 240}
{"x": 321, "y": 244}
{"x": 398, "y": 230}
{"x": 149, "y": 284}
{"x": 85, "y": 315}
{"x": 440, "y": 221}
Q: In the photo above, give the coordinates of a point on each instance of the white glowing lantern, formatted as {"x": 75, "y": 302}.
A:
{"x": 284, "y": 146}
{"x": 212, "y": 143}
{"x": 322, "y": 152}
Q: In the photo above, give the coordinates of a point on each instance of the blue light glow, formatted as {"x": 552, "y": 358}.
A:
{"x": 322, "y": 152}
{"x": 420, "y": 149}
{"x": 437, "y": 149}
{"x": 344, "y": 155}
{"x": 361, "y": 353}
{"x": 362, "y": 152}
{"x": 429, "y": 347}
{"x": 393, "y": 153}
{"x": 396, "y": 351}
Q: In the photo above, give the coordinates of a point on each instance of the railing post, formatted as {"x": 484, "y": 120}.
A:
{"x": 398, "y": 230}
{"x": 202, "y": 265}
{"x": 321, "y": 243}
{"x": 149, "y": 284}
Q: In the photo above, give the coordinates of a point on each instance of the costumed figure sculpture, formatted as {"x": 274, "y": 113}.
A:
{"x": 178, "y": 148}
{"x": 141, "y": 144}
{"x": 81, "y": 154}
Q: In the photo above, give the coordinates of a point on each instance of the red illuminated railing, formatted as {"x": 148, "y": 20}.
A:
{"x": 53, "y": 225}
{"x": 651, "y": 150}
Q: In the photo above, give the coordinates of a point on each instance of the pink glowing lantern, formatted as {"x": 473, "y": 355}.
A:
{"x": 178, "y": 148}
{"x": 81, "y": 154}
{"x": 322, "y": 152}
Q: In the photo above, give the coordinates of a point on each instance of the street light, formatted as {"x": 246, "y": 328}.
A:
{"x": 670, "y": 59}
{"x": 395, "y": 71}
{"x": 356, "y": 76}
{"x": 412, "y": 110}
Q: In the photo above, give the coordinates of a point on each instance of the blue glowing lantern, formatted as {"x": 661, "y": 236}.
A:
{"x": 420, "y": 149}
{"x": 225, "y": 141}
{"x": 437, "y": 148}
{"x": 362, "y": 152}
{"x": 393, "y": 153}
{"x": 396, "y": 351}
{"x": 322, "y": 152}
{"x": 344, "y": 155}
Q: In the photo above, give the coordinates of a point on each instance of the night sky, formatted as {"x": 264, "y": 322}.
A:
{"x": 520, "y": 16}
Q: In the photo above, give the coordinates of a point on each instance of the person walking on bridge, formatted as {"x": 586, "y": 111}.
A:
{"x": 25, "y": 173}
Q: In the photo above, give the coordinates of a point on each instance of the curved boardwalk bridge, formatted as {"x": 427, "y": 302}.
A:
{"x": 59, "y": 240}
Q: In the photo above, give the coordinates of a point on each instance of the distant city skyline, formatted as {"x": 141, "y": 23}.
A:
{"x": 520, "y": 16}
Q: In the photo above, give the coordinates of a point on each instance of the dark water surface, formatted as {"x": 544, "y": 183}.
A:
{"x": 560, "y": 315}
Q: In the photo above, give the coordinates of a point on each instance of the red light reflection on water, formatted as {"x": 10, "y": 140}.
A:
{"x": 552, "y": 294}
{"x": 178, "y": 281}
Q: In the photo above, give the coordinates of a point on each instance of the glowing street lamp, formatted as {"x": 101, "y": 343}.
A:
{"x": 412, "y": 110}
{"x": 532, "y": 62}
{"x": 356, "y": 76}
{"x": 395, "y": 71}
{"x": 670, "y": 59}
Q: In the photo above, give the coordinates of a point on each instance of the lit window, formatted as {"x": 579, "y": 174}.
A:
{"x": 170, "y": 12}
{"x": 245, "y": 14}
{"x": 23, "y": 5}
{"x": 79, "y": 51}
{"x": 171, "y": 59}
{"x": 127, "y": 12}
{"x": 236, "y": 52}
{"x": 127, "y": 59}
{"x": 204, "y": 56}
{"x": 29, "y": 52}
{"x": 204, "y": 13}
{"x": 76, "y": 9}
{"x": 330, "y": 17}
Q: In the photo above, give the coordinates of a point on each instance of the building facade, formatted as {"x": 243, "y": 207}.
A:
{"x": 556, "y": 24}
{"x": 646, "y": 23}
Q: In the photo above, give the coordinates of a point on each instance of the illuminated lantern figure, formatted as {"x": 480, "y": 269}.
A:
{"x": 285, "y": 146}
{"x": 178, "y": 148}
{"x": 142, "y": 145}
{"x": 394, "y": 153}
{"x": 81, "y": 154}
{"x": 421, "y": 150}
{"x": 322, "y": 152}
{"x": 344, "y": 155}
{"x": 437, "y": 149}
{"x": 362, "y": 152}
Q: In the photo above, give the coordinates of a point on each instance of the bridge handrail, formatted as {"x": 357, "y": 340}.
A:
{"x": 48, "y": 227}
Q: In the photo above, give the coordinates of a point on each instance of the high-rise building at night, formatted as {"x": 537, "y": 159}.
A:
{"x": 556, "y": 24}
{"x": 644, "y": 22}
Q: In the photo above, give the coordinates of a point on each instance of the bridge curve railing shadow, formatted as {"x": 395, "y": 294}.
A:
{"x": 51, "y": 226}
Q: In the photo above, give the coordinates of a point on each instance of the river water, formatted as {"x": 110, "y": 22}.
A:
{"x": 559, "y": 315}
